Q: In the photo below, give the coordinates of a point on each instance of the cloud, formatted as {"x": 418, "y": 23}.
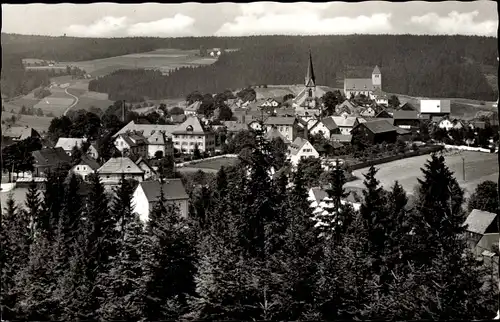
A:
{"x": 263, "y": 18}
{"x": 105, "y": 27}
{"x": 179, "y": 25}
{"x": 455, "y": 23}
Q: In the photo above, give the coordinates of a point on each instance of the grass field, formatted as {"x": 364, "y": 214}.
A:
{"x": 478, "y": 168}
{"x": 161, "y": 59}
{"x": 214, "y": 164}
{"x": 39, "y": 123}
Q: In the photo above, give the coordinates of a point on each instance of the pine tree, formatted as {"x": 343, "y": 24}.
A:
{"x": 122, "y": 207}
{"x": 398, "y": 225}
{"x": 48, "y": 220}
{"x": 33, "y": 207}
{"x": 70, "y": 219}
{"x": 169, "y": 259}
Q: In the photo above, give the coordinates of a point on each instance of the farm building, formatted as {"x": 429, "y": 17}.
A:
{"x": 49, "y": 159}
{"x": 376, "y": 131}
{"x": 20, "y": 133}
{"x": 406, "y": 119}
{"x": 430, "y": 108}
{"x": 111, "y": 172}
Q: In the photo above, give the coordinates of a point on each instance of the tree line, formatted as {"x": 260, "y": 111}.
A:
{"x": 248, "y": 250}
{"x": 430, "y": 66}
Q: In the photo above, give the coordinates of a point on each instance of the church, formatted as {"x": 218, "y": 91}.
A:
{"x": 306, "y": 103}
{"x": 366, "y": 86}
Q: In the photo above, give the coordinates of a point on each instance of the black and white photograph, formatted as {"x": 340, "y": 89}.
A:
{"x": 259, "y": 161}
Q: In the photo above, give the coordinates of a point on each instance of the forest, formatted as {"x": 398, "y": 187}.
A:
{"x": 248, "y": 251}
{"x": 432, "y": 66}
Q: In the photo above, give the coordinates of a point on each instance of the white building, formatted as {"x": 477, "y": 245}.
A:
{"x": 345, "y": 123}
{"x": 445, "y": 124}
{"x": 301, "y": 149}
{"x": 431, "y": 108}
{"x": 67, "y": 144}
{"x": 111, "y": 172}
{"x": 160, "y": 142}
{"x": 193, "y": 133}
{"x": 365, "y": 86}
{"x": 85, "y": 167}
{"x": 147, "y": 193}
{"x": 326, "y": 127}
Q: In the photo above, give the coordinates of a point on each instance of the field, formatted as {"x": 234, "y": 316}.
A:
{"x": 160, "y": 59}
{"x": 214, "y": 164}
{"x": 39, "y": 123}
{"x": 479, "y": 167}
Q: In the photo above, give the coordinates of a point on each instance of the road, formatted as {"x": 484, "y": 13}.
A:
{"x": 74, "y": 103}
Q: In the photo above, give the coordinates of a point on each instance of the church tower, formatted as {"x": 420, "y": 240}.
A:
{"x": 310, "y": 82}
{"x": 377, "y": 78}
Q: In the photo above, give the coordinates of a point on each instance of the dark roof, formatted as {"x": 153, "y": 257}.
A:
{"x": 379, "y": 126}
{"x": 408, "y": 107}
{"x": 277, "y": 120}
{"x": 172, "y": 188}
{"x": 50, "y": 157}
{"x": 93, "y": 164}
{"x": 405, "y": 115}
{"x": 329, "y": 123}
{"x": 310, "y": 78}
{"x": 383, "y": 114}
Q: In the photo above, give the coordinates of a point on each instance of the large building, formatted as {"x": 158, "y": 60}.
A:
{"x": 430, "y": 108}
{"x": 192, "y": 133}
{"x": 365, "y": 86}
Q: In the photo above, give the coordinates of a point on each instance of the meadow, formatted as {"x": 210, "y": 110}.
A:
{"x": 213, "y": 164}
{"x": 160, "y": 59}
{"x": 39, "y": 123}
{"x": 479, "y": 166}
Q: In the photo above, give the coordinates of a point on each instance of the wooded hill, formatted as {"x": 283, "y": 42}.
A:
{"x": 431, "y": 66}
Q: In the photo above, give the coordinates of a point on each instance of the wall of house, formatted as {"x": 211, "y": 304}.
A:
{"x": 83, "y": 170}
{"x": 114, "y": 178}
{"x": 307, "y": 151}
{"x": 120, "y": 144}
{"x": 141, "y": 203}
{"x": 389, "y": 137}
{"x": 320, "y": 128}
{"x": 445, "y": 124}
{"x": 93, "y": 152}
{"x": 146, "y": 169}
{"x": 346, "y": 130}
{"x": 141, "y": 150}
{"x": 186, "y": 142}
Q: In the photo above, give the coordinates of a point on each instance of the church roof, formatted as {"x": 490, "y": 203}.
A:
{"x": 358, "y": 84}
{"x": 310, "y": 78}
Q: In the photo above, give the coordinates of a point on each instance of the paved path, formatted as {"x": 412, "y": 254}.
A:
{"x": 74, "y": 102}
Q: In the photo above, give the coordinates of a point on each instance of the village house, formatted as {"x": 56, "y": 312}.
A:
{"x": 290, "y": 112}
{"x": 377, "y": 131}
{"x": 318, "y": 197}
{"x": 301, "y": 149}
{"x": 234, "y": 127}
{"x": 346, "y": 107}
{"x": 345, "y": 123}
{"x": 192, "y": 132}
{"x": 146, "y": 129}
{"x": 476, "y": 125}
{"x": 67, "y": 144}
{"x": 367, "y": 112}
{"x": 326, "y": 127}
{"x": 159, "y": 142}
{"x": 458, "y": 124}
{"x": 430, "y": 108}
{"x": 111, "y": 172}
{"x": 147, "y": 193}
{"x": 49, "y": 159}
{"x": 445, "y": 123}
{"x": 19, "y": 133}
{"x": 146, "y": 167}
{"x": 381, "y": 98}
{"x": 406, "y": 119}
{"x": 86, "y": 166}
{"x": 192, "y": 110}
{"x": 341, "y": 138}
{"x": 287, "y": 126}
{"x": 274, "y": 134}
{"x": 270, "y": 102}
{"x": 482, "y": 231}
{"x": 134, "y": 143}
{"x": 365, "y": 86}
{"x": 384, "y": 114}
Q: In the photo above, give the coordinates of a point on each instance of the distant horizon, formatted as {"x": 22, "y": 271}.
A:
{"x": 245, "y": 36}
{"x": 113, "y": 20}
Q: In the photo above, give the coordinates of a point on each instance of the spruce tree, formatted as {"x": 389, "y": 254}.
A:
{"x": 71, "y": 215}
{"x": 33, "y": 207}
{"x": 123, "y": 296}
{"x": 48, "y": 219}
{"x": 122, "y": 207}
{"x": 169, "y": 259}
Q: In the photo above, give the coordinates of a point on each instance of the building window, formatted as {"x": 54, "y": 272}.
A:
{"x": 77, "y": 168}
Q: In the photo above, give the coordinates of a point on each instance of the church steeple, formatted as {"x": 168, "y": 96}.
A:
{"x": 310, "y": 78}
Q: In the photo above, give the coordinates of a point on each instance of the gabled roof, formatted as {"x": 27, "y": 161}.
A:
{"x": 173, "y": 189}
{"x": 376, "y": 70}
{"x": 379, "y": 126}
{"x": 93, "y": 164}
{"x": 328, "y": 122}
{"x": 157, "y": 138}
{"x": 142, "y": 160}
{"x": 280, "y": 120}
{"x": 193, "y": 107}
{"x": 146, "y": 129}
{"x": 478, "y": 221}
{"x": 348, "y": 121}
{"x": 120, "y": 165}
{"x": 68, "y": 143}
{"x": 405, "y": 115}
{"x": 341, "y": 138}
{"x": 19, "y": 132}
{"x": 358, "y": 84}
{"x": 233, "y": 126}
{"x": 191, "y": 125}
{"x": 383, "y": 114}
{"x": 310, "y": 78}
{"x": 50, "y": 157}
{"x": 297, "y": 144}
{"x": 348, "y": 104}
{"x": 408, "y": 107}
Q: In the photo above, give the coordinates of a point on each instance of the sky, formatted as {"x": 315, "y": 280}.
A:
{"x": 257, "y": 18}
